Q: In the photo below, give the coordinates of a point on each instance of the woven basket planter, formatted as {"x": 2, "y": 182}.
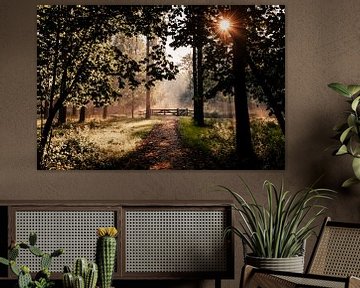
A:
{"x": 291, "y": 264}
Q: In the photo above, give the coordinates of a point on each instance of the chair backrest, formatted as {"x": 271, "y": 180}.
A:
{"x": 337, "y": 251}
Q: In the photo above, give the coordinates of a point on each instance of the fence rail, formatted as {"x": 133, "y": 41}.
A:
{"x": 169, "y": 112}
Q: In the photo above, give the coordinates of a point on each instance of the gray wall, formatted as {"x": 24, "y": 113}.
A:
{"x": 322, "y": 46}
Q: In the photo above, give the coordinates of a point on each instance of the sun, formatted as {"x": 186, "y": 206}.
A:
{"x": 224, "y": 25}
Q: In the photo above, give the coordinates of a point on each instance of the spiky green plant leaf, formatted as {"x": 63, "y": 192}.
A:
{"x": 280, "y": 228}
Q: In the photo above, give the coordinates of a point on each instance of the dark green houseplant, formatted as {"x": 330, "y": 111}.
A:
{"x": 280, "y": 228}
{"x": 349, "y": 131}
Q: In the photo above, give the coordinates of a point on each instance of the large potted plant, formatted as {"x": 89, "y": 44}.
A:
{"x": 275, "y": 234}
{"x": 349, "y": 131}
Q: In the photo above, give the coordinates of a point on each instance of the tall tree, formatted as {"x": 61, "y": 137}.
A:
{"x": 67, "y": 40}
{"x": 244, "y": 148}
{"x": 147, "y": 81}
{"x": 190, "y": 27}
{"x": 76, "y": 60}
{"x": 132, "y": 91}
{"x": 152, "y": 23}
{"x": 266, "y": 58}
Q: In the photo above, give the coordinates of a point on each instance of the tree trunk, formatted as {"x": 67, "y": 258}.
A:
{"x": 244, "y": 149}
{"x": 199, "y": 97}
{"x": 82, "y": 114}
{"x": 74, "y": 111}
{"x": 46, "y": 109}
{"x": 53, "y": 109}
{"x": 46, "y": 130}
{"x": 195, "y": 81}
{"x": 62, "y": 115}
{"x": 105, "y": 112}
{"x": 148, "y": 92}
{"x": 132, "y": 104}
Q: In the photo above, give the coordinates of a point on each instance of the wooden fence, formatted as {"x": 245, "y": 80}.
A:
{"x": 169, "y": 112}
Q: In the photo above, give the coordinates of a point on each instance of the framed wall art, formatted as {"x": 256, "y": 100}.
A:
{"x": 146, "y": 87}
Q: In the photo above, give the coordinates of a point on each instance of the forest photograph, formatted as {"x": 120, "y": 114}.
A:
{"x": 152, "y": 87}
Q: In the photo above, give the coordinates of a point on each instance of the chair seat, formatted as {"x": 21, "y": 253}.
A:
{"x": 269, "y": 279}
{"x": 315, "y": 281}
{"x": 335, "y": 262}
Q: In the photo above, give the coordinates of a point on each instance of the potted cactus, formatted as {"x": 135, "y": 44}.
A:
{"x": 42, "y": 278}
{"x": 106, "y": 254}
{"x": 84, "y": 275}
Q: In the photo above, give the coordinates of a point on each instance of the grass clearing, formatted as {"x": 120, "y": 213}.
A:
{"x": 121, "y": 136}
{"x": 216, "y": 138}
{"x": 89, "y": 145}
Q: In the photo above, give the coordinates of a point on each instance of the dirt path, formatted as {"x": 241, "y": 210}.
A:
{"x": 162, "y": 149}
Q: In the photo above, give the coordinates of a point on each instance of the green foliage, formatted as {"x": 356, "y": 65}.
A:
{"x": 70, "y": 150}
{"x": 78, "y": 61}
{"x": 279, "y": 229}
{"x": 349, "y": 132}
{"x": 269, "y": 144}
{"x": 215, "y": 140}
{"x": 43, "y": 283}
{"x": 42, "y": 278}
{"x": 266, "y": 59}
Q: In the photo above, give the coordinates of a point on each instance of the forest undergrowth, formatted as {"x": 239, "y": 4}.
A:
{"x": 100, "y": 144}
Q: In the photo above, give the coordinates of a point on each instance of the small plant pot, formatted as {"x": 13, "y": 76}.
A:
{"x": 291, "y": 264}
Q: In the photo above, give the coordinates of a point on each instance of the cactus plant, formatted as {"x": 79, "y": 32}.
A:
{"x": 81, "y": 266}
{"x": 68, "y": 280}
{"x": 42, "y": 278}
{"x": 105, "y": 254}
{"x": 91, "y": 275}
{"x": 85, "y": 275}
{"x": 79, "y": 282}
{"x": 24, "y": 277}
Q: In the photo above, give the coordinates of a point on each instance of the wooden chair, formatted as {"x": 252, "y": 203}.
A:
{"x": 335, "y": 262}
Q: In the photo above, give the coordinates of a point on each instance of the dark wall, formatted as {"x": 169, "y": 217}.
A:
{"x": 322, "y": 46}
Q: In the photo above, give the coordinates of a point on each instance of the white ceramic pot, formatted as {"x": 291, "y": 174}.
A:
{"x": 291, "y": 264}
